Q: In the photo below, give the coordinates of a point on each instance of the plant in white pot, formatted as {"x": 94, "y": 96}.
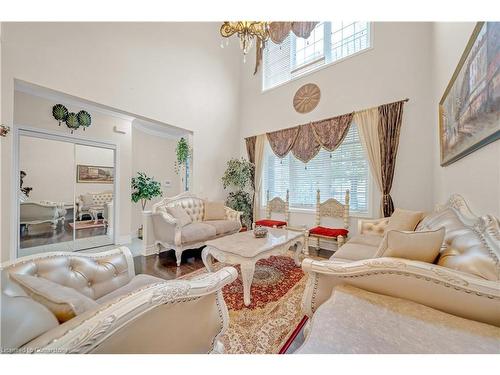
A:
{"x": 144, "y": 189}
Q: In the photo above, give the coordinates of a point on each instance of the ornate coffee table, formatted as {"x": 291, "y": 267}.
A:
{"x": 244, "y": 249}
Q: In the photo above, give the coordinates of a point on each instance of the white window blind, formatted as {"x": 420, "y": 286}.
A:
{"x": 332, "y": 173}
{"x": 328, "y": 42}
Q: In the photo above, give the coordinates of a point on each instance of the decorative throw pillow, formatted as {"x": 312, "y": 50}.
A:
{"x": 214, "y": 211}
{"x": 423, "y": 246}
{"x": 405, "y": 220}
{"x": 180, "y": 214}
{"x": 65, "y": 303}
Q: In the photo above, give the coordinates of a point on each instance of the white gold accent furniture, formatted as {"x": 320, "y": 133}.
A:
{"x": 94, "y": 202}
{"x": 330, "y": 208}
{"x": 32, "y": 213}
{"x": 244, "y": 249}
{"x": 163, "y": 232}
{"x": 463, "y": 282}
{"x": 275, "y": 205}
{"x": 134, "y": 313}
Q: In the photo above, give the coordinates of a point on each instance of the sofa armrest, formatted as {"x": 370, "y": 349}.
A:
{"x": 178, "y": 316}
{"x": 444, "y": 289}
{"x": 166, "y": 228}
{"x": 232, "y": 214}
{"x": 372, "y": 226}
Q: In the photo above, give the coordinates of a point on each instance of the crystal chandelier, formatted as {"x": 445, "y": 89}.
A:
{"x": 247, "y": 31}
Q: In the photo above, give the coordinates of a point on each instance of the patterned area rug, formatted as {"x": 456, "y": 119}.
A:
{"x": 265, "y": 325}
{"x": 87, "y": 224}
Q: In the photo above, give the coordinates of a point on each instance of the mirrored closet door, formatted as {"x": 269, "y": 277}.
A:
{"x": 65, "y": 196}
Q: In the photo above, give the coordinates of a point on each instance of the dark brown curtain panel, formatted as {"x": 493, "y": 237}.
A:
{"x": 389, "y": 127}
{"x": 250, "y": 142}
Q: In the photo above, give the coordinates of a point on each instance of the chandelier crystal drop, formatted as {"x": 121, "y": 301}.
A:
{"x": 247, "y": 32}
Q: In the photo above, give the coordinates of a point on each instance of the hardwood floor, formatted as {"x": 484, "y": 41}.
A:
{"x": 165, "y": 266}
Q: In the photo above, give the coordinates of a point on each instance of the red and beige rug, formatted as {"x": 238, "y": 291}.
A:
{"x": 87, "y": 224}
{"x": 265, "y": 325}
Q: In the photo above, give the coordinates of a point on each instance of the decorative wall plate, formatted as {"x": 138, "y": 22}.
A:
{"x": 306, "y": 98}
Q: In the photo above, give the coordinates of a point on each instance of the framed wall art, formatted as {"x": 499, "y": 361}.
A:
{"x": 94, "y": 174}
{"x": 469, "y": 111}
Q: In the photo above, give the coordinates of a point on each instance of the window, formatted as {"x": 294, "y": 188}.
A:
{"x": 332, "y": 173}
{"x": 328, "y": 42}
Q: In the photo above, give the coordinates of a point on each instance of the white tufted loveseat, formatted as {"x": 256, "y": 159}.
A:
{"x": 128, "y": 313}
{"x": 96, "y": 201}
{"x": 406, "y": 306}
{"x": 167, "y": 233}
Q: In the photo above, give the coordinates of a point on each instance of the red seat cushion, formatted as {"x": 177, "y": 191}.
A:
{"x": 270, "y": 223}
{"x": 329, "y": 232}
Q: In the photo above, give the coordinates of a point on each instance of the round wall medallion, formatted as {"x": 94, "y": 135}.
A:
{"x": 306, "y": 98}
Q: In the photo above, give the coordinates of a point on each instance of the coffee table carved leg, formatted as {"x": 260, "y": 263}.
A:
{"x": 247, "y": 271}
{"x": 299, "y": 247}
{"x": 207, "y": 259}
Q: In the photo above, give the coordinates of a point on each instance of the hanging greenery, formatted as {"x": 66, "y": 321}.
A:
{"x": 183, "y": 152}
{"x": 144, "y": 189}
{"x": 238, "y": 175}
{"x": 60, "y": 113}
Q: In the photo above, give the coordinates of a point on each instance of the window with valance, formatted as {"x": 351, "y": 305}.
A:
{"x": 331, "y": 172}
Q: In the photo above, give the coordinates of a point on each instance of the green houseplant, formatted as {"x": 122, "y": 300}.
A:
{"x": 144, "y": 189}
{"x": 182, "y": 153}
{"x": 239, "y": 175}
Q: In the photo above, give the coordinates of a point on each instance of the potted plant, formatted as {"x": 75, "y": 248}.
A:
{"x": 144, "y": 189}
{"x": 239, "y": 176}
{"x": 182, "y": 152}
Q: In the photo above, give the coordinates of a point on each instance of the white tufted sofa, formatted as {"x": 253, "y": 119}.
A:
{"x": 406, "y": 306}
{"x": 165, "y": 232}
{"x": 131, "y": 314}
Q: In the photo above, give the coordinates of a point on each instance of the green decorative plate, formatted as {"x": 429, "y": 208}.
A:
{"x": 84, "y": 119}
{"x": 60, "y": 113}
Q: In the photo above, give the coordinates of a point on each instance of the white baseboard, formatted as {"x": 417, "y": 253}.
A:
{"x": 149, "y": 250}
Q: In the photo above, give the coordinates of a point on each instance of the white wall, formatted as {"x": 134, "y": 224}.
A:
{"x": 155, "y": 156}
{"x": 476, "y": 176}
{"x": 397, "y": 67}
{"x": 170, "y": 72}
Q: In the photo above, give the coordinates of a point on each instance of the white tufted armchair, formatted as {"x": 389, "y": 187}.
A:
{"x": 163, "y": 231}
{"x": 127, "y": 313}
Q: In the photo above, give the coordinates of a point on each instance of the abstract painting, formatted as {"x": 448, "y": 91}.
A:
{"x": 94, "y": 174}
{"x": 469, "y": 116}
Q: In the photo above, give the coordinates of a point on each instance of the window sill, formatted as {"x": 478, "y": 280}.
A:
{"x": 308, "y": 211}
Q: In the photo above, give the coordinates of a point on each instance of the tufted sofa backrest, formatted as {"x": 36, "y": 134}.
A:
{"x": 93, "y": 275}
{"x": 194, "y": 206}
{"x": 471, "y": 246}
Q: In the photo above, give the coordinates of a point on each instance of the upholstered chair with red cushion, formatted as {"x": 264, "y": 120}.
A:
{"x": 331, "y": 208}
{"x": 275, "y": 205}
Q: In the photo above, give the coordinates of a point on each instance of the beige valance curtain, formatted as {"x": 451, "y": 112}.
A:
{"x": 278, "y": 31}
{"x": 305, "y": 141}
